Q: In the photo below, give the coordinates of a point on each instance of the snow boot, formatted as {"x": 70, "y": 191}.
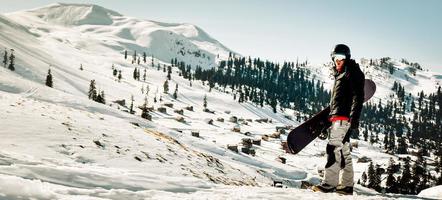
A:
{"x": 346, "y": 190}
{"x": 323, "y": 187}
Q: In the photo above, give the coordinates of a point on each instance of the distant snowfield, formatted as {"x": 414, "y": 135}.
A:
{"x": 58, "y": 144}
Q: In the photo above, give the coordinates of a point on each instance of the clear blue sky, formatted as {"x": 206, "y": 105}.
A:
{"x": 287, "y": 29}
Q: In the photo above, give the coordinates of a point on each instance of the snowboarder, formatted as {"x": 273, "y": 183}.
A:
{"x": 345, "y": 108}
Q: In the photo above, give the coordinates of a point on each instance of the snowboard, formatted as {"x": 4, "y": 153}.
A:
{"x": 305, "y": 133}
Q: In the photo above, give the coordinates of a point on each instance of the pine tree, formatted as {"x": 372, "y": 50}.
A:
{"x": 147, "y": 90}
{"x": 146, "y": 103}
{"x": 145, "y": 112}
{"x": 392, "y": 141}
{"x": 424, "y": 184}
{"x": 152, "y": 63}
{"x": 125, "y": 54}
{"x": 405, "y": 180}
{"x": 144, "y": 75}
{"x": 169, "y": 72}
{"x": 413, "y": 106}
{"x": 135, "y": 73}
{"x": 386, "y": 143}
{"x": 205, "y": 102}
{"x": 402, "y": 146}
{"x": 372, "y": 139}
{"x": 377, "y": 178}
{"x": 11, "y": 61}
{"x": 49, "y": 82}
{"x": 420, "y": 156}
{"x": 138, "y": 75}
{"x": 439, "y": 180}
{"x": 416, "y": 175}
{"x": 241, "y": 95}
{"x": 371, "y": 176}
{"x": 5, "y": 58}
{"x": 81, "y": 67}
{"x": 103, "y": 99}
{"x": 365, "y": 134}
{"x": 119, "y": 76}
{"x": 175, "y": 94}
{"x": 364, "y": 178}
{"x": 144, "y": 57}
{"x": 92, "y": 94}
{"x": 100, "y": 98}
{"x": 390, "y": 184}
{"x": 114, "y": 70}
{"x": 166, "y": 86}
{"x": 131, "y": 104}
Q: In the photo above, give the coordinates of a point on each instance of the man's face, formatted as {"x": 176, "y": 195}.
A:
{"x": 339, "y": 64}
{"x": 339, "y": 61}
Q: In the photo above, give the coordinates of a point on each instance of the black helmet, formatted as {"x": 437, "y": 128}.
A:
{"x": 341, "y": 49}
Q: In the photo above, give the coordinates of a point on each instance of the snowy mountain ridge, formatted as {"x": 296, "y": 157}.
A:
{"x": 76, "y": 14}
{"x": 72, "y": 22}
{"x": 58, "y": 144}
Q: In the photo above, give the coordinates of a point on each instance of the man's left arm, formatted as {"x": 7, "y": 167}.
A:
{"x": 357, "y": 100}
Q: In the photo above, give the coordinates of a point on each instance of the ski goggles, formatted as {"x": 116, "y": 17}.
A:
{"x": 337, "y": 57}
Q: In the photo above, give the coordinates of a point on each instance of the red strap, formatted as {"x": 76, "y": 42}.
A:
{"x": 337, "y": 118}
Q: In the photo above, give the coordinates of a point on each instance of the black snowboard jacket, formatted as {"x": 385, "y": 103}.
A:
{"x": 348, "y": 93}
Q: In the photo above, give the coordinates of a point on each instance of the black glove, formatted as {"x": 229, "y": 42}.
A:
{"x": 324, "y": 134}
{"x": 325, "y": 131}
{"x": 352, "y": 133}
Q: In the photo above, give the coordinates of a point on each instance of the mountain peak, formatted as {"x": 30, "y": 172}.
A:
{"x": 75, "y": 14}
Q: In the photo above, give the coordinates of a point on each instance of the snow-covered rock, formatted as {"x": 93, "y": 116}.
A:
{"x": 433, "y": 192}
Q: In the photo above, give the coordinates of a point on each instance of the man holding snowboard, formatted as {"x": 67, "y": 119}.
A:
{"x": 345, "y": 109}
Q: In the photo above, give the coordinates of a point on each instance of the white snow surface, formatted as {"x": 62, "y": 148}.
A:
{"x": 58, "y": 144}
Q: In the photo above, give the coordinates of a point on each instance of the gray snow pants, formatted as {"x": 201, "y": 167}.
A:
{"x": 338, "y": 156}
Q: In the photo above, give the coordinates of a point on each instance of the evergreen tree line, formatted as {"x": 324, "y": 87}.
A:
{"x": 410, "y": 177}
{"x": 264, "y": 83}
{"x": 423, "y": 130}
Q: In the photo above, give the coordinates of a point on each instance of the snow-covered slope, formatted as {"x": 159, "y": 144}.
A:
{"x": 58, "y": 144}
